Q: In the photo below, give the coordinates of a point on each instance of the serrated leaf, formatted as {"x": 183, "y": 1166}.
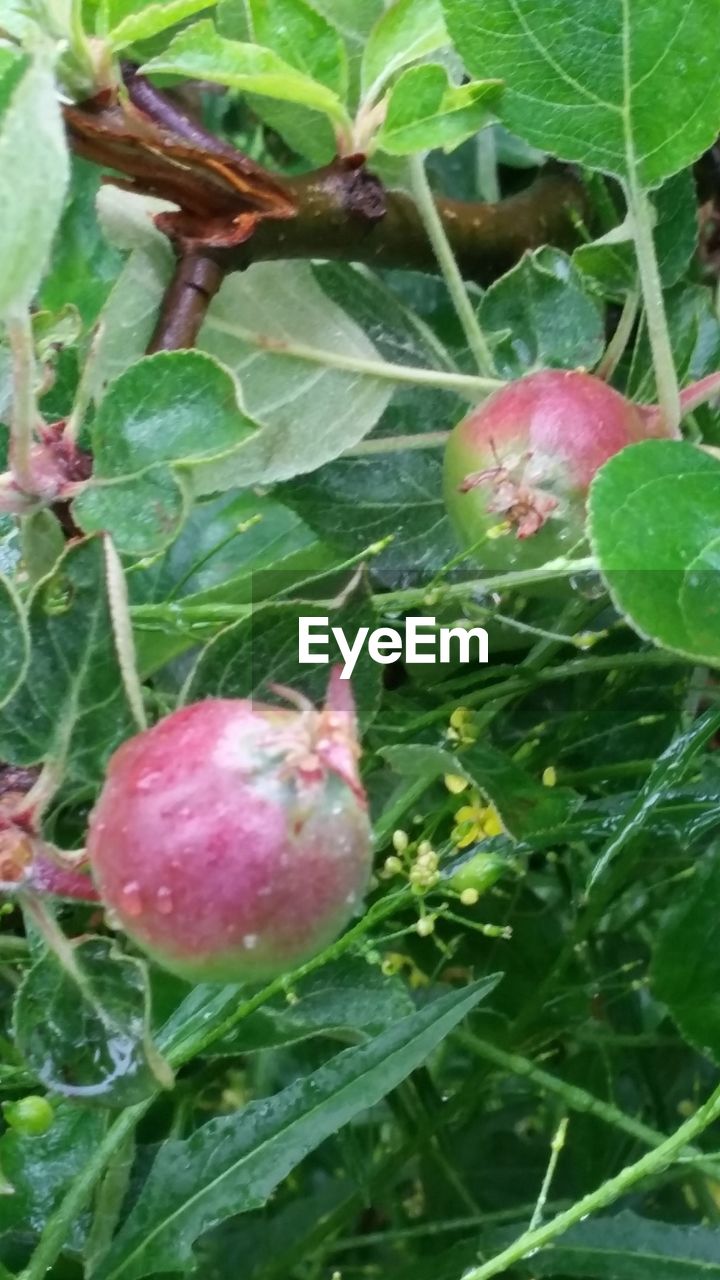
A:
{"x": 584, "y": 77}
{"x": 686, "y": 962}
{"x": 309, "y": 410}
{"x": 654, "y": 525}
{"x": 425, "y": 110}
{"x": 524, "y": 804}
{"x": 304, "y": 38}
{"x": 233, "y": 1163}
{"x": 151, "y": 20}
{"x": 611, "y": 259}
{"x": 200, "y": 53}
{"x": 34, "y": 172}
{"x": 408, "y": 30}
{"x": 540, "y": 316}
{"x": 83, "y": 1027}
{"x": 158, "y": 420}
{"x": 71, "y": 707}
{"x": 15, "y": 641}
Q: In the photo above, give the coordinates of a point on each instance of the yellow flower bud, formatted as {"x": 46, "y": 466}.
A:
{"x": 455, "y": 783}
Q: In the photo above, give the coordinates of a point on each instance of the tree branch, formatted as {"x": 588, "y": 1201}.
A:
{"x": 232, "y": 212}
{"x": 486, "y": 239}
{"x": 196, "y": 280}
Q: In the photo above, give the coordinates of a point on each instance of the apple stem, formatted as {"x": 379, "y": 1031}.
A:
{"x": 123, "y": 632}
{"x": 665, "y": 375}
{"x": 699, "y": 393}
{"x": 430, "y": 217}
{"x": 616, "y": 346}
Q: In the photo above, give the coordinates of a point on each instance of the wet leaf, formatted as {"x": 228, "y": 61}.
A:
{"x": 83, "y": 1027}
{"x": 232, "y": 1164}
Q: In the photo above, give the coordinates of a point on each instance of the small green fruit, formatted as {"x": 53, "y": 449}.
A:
{"x": 30, "y": 1116}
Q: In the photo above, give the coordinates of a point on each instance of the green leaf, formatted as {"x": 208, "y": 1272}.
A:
{"x": 83, "y": 1026}
{"x": 628, "y": 1247}
{"x": 304, "y": 38}
{"x": 347, "y": 996}
{"x": 71, "y": 706}
{"x": 158, "y": 420}
{"x": 40, "y": 1169}
{"x": 305, "y": 131}
{"x": 200, "y": 53}
{"x": 232, "y": 1164}
{"x": 686, "y": 962}
{"x": 144, "y": 514}
{"x": 34, "y": 172}
{"x": 249, "y": 657}
{"x": 662, "y": 572}
{"x": 151, "y": 20}
{"x": 605, "y": 83}
{"x": 310, "y": 410}
{"x": 540, "y": 316}
{"x": 525, "y": 806}
{"x": 43, "y": 543}
{"x": 15, "y": 641}
{"x": 356, "y": 501}
{"x": 408, "y": 30}
{"x": 611, "y": 259}
{"x": 425, "y": 110}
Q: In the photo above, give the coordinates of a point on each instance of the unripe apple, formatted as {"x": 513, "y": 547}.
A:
{"x": 231, "y": 841}
{"x": 518, "y": 468}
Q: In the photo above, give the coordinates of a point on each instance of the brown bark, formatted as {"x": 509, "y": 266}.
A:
{"x": 233, "y": 213}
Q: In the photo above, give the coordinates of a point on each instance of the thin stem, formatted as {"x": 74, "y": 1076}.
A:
{"x": 556, "y": 1147}
{"x": 396, "y": 444}
{"x": 699, "y": 393}
{"x": 578, "y": 1099}
{"x": 24, "y": 414}
{"x": 657, "y": 326}
{"x": 123, "y": 632}
{"x": 616, "y": 346}
{"x": 647, "y": 1166}
{"x": 486, "y": 165}
{"x": 390, "y": 601}
{"x": 448, "y": 266}
{"x": 467, "y": 384}
{"x": 76, "y": 1198}
{"x": 562, "y": 567}
{"x": 85, "y": 387}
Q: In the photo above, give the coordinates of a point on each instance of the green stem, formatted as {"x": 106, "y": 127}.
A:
{"x": 76, "y": 1198}
{"x": 616, "y": 346}
{"x": 556, "y": 1147}
{"x": 123, "y": 632}
{"x": 24, "y": 412}
{"x": 647, "y": 1166}
{"x": 395, "y": 444}
{"x": 390, "y": 600}
{"x": 446, "y": 261}
{"x": 466, "y": 384}
{"x": 656, "y": 319}
{"x": 525, "y": 682}
{"x": 578, "y": 1099}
